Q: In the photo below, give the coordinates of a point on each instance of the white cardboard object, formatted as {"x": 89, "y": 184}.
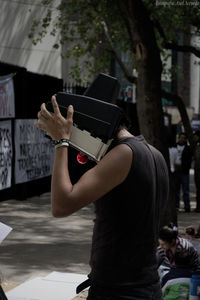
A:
{"x": 56, "y": 285}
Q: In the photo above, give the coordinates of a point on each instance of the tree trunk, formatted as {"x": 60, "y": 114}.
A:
{"x": 178, "y": 102}
{"x": 149, "y": 68}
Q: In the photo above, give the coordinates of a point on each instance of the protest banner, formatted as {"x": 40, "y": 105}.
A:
{"x": 5, "y": 154}
{"x": 7, "y": 97}
{"x": 34, "y": 152}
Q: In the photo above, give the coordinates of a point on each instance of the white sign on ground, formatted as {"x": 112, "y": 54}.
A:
{"x": 56, "y": 285}
{"x": 33, "y": 152}
{"x": 5, "y": 154}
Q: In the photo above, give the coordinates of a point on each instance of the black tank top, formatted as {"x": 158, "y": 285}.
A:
{"x": 127, "y": 221}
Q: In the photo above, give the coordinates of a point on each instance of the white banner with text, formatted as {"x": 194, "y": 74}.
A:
{"x": 5, "y": 154}
{"x": 34, "y": 152}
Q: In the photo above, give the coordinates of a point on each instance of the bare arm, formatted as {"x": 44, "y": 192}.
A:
{"x": 111, "y": 171}
{"x": 107, "y": 174}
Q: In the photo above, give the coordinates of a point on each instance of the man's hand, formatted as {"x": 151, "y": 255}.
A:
{"x": 55, "y": 124}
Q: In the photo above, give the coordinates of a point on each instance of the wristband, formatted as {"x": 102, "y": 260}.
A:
{"x": 63, "y": 144}
{"x": 60, "y": 143}
{"x": 56, "y": 142}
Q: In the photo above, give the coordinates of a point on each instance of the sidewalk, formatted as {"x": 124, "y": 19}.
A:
{"x": 186, "y": 219}
{"x": 40, "y": 243}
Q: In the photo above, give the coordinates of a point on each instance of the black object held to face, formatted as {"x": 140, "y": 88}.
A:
{"x": 95, "y": 121}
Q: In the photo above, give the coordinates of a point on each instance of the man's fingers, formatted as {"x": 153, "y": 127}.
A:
{"x": 39, "y": 124}
{"x": 70, "y": 112}
{"x": 44, "y": 112}
{"x": 55, "y": 106}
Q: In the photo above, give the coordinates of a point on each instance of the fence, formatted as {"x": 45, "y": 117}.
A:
{"x": 26, "y": 154}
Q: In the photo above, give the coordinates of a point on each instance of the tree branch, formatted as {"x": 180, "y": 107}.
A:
{"x": 173, "y": 46}
{"x": 160, "y": 29}
{"x": 183, "y": 48}
{"x": 127, "y": 74}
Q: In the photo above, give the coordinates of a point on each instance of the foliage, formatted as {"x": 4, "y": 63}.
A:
{"x": 95, "y": 29}
{"x": 81, "y": 25}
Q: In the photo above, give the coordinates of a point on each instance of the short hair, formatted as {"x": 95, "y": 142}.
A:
{"x": 125, "y": 122}
{"x": 182, "y": 133}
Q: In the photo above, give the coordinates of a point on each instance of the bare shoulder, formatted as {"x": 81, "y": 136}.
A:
{"x": 117, "y": 162}
{"x": 120, "y": 152}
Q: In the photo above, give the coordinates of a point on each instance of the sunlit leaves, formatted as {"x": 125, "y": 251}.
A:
{"x": 80, "y": 24}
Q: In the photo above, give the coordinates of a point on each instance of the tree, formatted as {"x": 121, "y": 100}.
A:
{"x": 144, "y": 28}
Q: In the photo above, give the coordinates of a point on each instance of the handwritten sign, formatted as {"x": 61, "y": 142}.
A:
{"x": 5, "y": 154}
{"x": 33, "y": 152}
{"x": 7, "y": 97}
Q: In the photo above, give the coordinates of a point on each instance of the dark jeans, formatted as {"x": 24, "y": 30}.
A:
{"x": 2, "y": 295}
{"x": 151, "y": 292}
{"x": 182, "y": 180}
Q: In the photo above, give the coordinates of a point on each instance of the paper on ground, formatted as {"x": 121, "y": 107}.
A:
{"x": 54, "y": 286}
{"x": 4, "y": 231}
{"x": 66, "y": 277}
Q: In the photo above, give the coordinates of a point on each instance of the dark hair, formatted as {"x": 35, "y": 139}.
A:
{"x": 182, "y": 133}
{"x": 124, "y": 123}
{"x": 168, "y": 233}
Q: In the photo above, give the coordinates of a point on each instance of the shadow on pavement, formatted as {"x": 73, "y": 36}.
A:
{"x": 40, "y": 243}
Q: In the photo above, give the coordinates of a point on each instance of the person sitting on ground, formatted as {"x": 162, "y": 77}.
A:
{"x": 176, "y": 283}
{"x": 170, "y": 244}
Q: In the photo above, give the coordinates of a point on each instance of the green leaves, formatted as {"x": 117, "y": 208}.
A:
{"x": 80, "y": 23}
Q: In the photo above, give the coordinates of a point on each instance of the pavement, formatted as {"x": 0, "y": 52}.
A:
{"x": 40, "y": 244}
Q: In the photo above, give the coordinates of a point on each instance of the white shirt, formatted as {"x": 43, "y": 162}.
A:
{"x": 180, "y": 149}
{"x": 173, "y": 156}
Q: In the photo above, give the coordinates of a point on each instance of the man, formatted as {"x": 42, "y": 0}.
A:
{"x": 182, "y": 168}
{"x": 129, "y": 187}
{"x": 196, "y": 137}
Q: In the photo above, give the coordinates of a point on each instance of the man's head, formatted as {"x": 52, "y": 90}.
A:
{"x": 124, "y": 123}
{"x": 182, "y": 138}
